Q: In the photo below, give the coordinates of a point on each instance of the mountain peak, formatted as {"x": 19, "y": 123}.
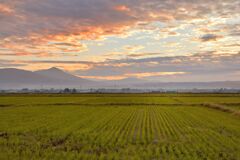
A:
{"x": 133, "y": 79}
{"x": 13, "y": 69}
{"x": 54, "y": 69}
{"x": 51, "y": 70}
{"x": 60, "y": 75}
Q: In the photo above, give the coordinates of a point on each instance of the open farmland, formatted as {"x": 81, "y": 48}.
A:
{"x": 120, "y": 126}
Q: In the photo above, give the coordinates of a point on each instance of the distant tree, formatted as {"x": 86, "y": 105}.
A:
{"x": 74, "y": 90}
{"x": 66, "y": 90}
{"x": 25, "y": 90}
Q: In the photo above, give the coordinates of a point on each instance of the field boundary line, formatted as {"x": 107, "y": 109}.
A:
{"x": 222, "y": 108}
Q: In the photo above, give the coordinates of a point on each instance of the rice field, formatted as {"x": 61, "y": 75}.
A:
{"x": 119, "y": 127}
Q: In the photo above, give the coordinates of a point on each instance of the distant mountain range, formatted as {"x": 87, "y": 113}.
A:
{"x": 11, "y": 78}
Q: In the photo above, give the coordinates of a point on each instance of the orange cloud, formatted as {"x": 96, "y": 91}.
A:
{"x": 4, "y": 9}
{"x": 165, "y": 16}
{"x": 73, "y": 67}
{"x": 31, "y": 65}
{"x": 138, "y": 55}
{"x": 133, "y": 48}
{"x": 104, "y": 77}
{"x": 138, "y": 75}
{"x": 117, "y": 64}
{"x": 122, "y": 8}
{"x": 54, "y": 21}
{"x": 151, "y": 74}
{"x": 35, "y": 44}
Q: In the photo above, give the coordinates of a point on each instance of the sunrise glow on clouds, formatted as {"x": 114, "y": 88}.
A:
{"x": 113, "y": 39}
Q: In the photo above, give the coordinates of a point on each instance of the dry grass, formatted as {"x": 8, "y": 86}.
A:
{"x": 221, "y": 108}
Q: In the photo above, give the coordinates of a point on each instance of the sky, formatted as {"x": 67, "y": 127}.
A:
{"x": 157, "y": 40}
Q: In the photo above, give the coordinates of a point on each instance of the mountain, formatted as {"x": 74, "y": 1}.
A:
{"x": 61, "y": 76}
{"x": 127, "y": 82}
{"x": 144, "y": 84}
{"x": 131, "y": 80}
{"x": 10, "y": 75}
{"x": 190, "y": 85}
{"x": 11, "y": 78}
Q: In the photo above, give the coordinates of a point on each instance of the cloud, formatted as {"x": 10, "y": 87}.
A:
{"x": 115, "y": 77}
{"x": 133, "y": 48}
{"x": 234, "y": 30}
{"x": 135, "y": 75}
{"x": 210, "y": 37}
{"x": 10, "y": 64}
{"x": 71, "y": 22}
{"x": 34, "y": 32}
{"x": 206, "y": 66}
{"x": 4, "y": 9}
{"x": 139, "y": 55}
{"x": 38, "y": 22}
{"x": 122, "y": 8}
{"x": 152, "y": 74}
{"x": 44, "y": 64}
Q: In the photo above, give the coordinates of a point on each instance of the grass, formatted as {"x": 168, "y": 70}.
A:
{"x": 234, "y": 110}
{"x": 134, "y": 126}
